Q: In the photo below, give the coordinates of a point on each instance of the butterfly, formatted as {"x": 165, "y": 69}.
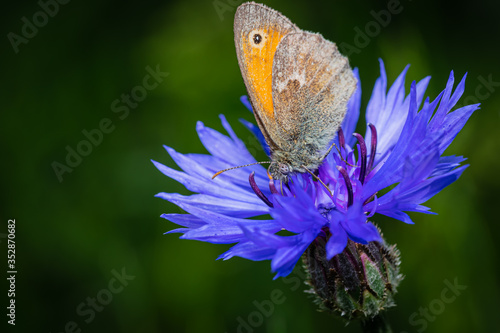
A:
{"x": 298, "y": 84}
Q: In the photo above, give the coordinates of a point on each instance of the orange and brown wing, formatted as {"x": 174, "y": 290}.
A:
{"x": 257, "y": 32}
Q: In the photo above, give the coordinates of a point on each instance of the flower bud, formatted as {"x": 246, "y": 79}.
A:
{"x": 358, "y": 283}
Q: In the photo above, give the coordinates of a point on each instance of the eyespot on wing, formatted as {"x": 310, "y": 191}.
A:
{"x": 258, "y": 30}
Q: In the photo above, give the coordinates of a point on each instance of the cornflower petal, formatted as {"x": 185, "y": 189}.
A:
{"x": 412, "y": 134}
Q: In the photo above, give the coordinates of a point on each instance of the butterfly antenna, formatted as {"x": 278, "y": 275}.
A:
{"x": 240, "y": 166}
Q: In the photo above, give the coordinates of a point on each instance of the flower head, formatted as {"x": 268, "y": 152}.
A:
{"x": 402, "y": 149}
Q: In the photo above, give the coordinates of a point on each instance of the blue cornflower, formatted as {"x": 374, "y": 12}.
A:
{"x": 402, "y": 149}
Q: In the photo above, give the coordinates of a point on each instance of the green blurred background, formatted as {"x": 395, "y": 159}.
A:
{"x": 102, "y": 217}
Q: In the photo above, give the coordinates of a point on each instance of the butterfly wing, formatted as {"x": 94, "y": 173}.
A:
{"x": 312, "y": 83}
{"x": 257, "y": 32}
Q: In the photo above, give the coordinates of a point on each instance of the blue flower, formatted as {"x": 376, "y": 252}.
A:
{"x": 402, "y": 150}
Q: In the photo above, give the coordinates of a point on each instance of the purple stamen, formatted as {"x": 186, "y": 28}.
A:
{"x": 272, "y": 187}
{"x": 362, "y": 148}
{"x": 341, "y": 138}
{"x": 348, "y": 185}
{"x": 257, "y": 190}
{"x": 373, "y": 149}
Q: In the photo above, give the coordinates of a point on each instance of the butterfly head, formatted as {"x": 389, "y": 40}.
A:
{"x": 280, "y": 171}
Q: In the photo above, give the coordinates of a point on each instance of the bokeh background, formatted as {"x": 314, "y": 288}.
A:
{"x": 74, "y": 233}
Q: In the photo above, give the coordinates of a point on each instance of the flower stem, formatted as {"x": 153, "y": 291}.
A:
{"x": 377, "y": 324}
